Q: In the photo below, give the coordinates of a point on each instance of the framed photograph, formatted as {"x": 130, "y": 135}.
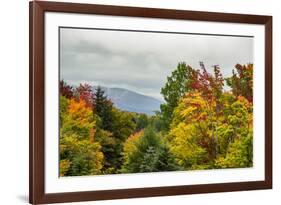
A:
{"x": 138, "y": 102}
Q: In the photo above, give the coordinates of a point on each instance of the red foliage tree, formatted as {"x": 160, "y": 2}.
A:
{"x": 66, "y": 90}
{"x": 85, "y": 92}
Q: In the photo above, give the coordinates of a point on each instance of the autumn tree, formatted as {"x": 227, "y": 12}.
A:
{"x": 207, "y": 122}
{"x": 190, "y": 137}
{"x": 79, "y": 157}
{"x": 239, "y": 154}
{"x": 79, "y": 153}
{"x": 129, "y": 147}
{"x": 195, "y": 123}
{"x": 236, "y": 135}
{"x": 79, "y": 119}
{"x": 210, "y": 85}
{"x": 84, "y": 92}
{"x": 66, "y": 90}
{"x": 241, "y": 81}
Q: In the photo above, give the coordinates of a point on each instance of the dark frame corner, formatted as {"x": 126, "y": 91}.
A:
{"x": 37, "y": 95}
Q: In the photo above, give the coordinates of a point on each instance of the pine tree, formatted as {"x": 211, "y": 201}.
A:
{"x": 103, "y": 108}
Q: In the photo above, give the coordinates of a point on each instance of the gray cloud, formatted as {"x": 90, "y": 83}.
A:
{"x": 141, "y": 61}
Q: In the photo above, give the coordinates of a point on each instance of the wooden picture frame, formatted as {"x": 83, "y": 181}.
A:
{"x": 37, "y": 100}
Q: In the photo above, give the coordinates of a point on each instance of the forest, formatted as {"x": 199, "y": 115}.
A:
{"x": 206, "y": 122}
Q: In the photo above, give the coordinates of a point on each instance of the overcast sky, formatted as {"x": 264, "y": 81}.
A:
{"x": 141, "y": 61}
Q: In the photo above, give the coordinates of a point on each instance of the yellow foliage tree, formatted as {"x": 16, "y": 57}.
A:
{"x": 79, "y": 119}
{"x": 211, "y": 133}
{"x": 130, "y": 145}
{"x": 80, "y": 154}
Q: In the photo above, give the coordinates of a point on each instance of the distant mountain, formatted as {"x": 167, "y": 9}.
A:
{"x": 128, "y": 100}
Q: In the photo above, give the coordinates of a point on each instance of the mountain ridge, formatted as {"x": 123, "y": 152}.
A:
{"x": 127, "y": 100}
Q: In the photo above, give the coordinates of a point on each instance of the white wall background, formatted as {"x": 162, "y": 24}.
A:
{"x": 14, "y": 101}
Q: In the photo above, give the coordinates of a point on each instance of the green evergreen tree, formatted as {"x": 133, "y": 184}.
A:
{"x": 103, "y": 108}
{"x": 150, "y": 154}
